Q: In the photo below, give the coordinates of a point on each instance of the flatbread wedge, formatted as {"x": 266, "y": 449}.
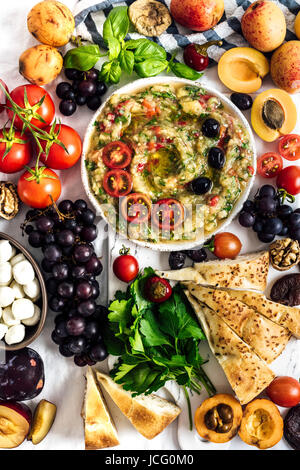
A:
{"x": 149, "y": 414}
{"x": 266, "y": 338}
{"x": 247, "y": 374}
{"x": 99, "y": 429}
{"x": 288, "y": 317}
{"x": 244, "y": 272}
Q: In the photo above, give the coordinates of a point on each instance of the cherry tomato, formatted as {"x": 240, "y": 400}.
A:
{"x": 136, "y": 208}
{"x": 168, "y": 214}
{"x": 58, "y": 158}
{"x": 269, "y": 165}
{"x": 18, "y": 150}
{"x": 116, "y": 155}
{"x": 38, "y": 115}
{"x": 157, "y": 289}
{"x": 117, "y": 183}
{"x": 289, "y": 147}
{"x": 226, "y": 245}
{"x": 125, "y": 266}
{"x": 2, "y": 96}
{"x": 36, "y": 186}
{"x": 289, "y": 179}
{"x": 284, "y": 391}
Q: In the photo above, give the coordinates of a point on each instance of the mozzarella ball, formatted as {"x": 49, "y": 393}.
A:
{"x": 8, "y": 318}
{"x": 18, "y": 290}
{"x": 32, "y": 289}
{"x": 15, "y": 334}
{"x": 34, "y": 319}
{"x": 5, "y": 273}
{"x": 13, "y": 251}
{"x": 7, "y": 296}
{"x": 5, "y": 251}
{"x": 3, "y": 330}
{"x": 16, "y": 259}
{"x": 23, "y": 272}
{"x": 22, "y": 309}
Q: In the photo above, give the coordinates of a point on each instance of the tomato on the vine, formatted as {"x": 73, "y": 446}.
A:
{"x": 269, "y": 165}
{"x": 64, "y": 148}
{"x": 225, "y": 245}
{"x": 116, "y": 155}
{"x": 284, "y": 391}
{"x": 37, "y": 186}
{"x": 168, "y": 214}
{"x": 117, "y": 183}
{"x": 125, "y": 266}
{"x": 289, "y": 179}
{"x": 37, "y": 104}
{"x": 136, "y": 208}
{"x": 15, "y": 150}
{"x": 289, "y": 147}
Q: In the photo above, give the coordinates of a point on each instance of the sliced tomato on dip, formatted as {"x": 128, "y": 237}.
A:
{"x": 136, "y": 208}
{"x": 289, "y": 147}
{"x": 116, "y": 155}
{"x": 269, "y": 165}
{"x": 168, "y": 214}
{"x": 117, "y": 183}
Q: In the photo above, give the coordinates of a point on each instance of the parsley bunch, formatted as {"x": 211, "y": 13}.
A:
{"x": 155, "y": 342}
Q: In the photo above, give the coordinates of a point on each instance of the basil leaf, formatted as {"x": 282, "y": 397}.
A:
{"x": 110, "y": 72}
{"x": 134, "y": 43}
{"x": 82, "y": 58}
{"x": 126, "y": 60}
{"x": 150, "y": 67}
{"x": 114, "y": 48}
{"x": 184, "y": 71}
{"x": 116, "y": 24}
{"x": 149, "y": 50}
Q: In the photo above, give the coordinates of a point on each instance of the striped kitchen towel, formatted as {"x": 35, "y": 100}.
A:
{"x": 91, "y": 14}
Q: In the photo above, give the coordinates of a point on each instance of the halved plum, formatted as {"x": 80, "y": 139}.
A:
{"x": 21, "y": 375}
{"x": 15, "y": 419}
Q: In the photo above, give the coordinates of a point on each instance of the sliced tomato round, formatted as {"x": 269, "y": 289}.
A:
{"x": 289, "y": 147}
{"x": 136, "y": 208}
{"x": 168, "y": 214}
{"x": 117, "y": 183}
{"x": 269, "y": 165}
{"x": 116, "y": 155}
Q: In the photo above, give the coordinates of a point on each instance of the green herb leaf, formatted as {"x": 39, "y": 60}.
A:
{"x": 82, "y": 58}
{"x": 150, "y": 67}
{"x": 116, "y": 24}
{"x": 126, "y": 59}
{"x": 149, "y": 327}
{"x": 110, "y": 72}
{"x": 149, "y": 50}
{"x": 114, "y": 48}
{"x": 134, "y": 43}
{"x": 184, "y": 71}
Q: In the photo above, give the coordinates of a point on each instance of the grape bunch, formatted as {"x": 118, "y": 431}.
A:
{"x": 268, "y": 216}
{"x": 65, "y": 236}
{"x": 84, "y": 89}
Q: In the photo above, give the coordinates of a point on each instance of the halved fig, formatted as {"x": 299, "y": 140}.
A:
{"x": 15, "y": 419}
{"x": 43, "y": 419}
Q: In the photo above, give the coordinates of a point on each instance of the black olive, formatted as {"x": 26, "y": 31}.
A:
{"x": 177, "y": 259}
{"x": 211, "y": 128}
{"x": 216, "y": 158}
{"x": 241, "y": 100}
{"x": 201, "y": 185}
{"x": 196, "y": 255}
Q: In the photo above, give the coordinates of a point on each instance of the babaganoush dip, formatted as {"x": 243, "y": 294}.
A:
{"x": 168, "y": 162}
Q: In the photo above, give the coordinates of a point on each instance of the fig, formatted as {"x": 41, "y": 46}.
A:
{"x": 21, "y": 375}
{"x": 292, "y": 427}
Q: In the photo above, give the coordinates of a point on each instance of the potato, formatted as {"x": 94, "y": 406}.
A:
{"x": 51, "y": 23}
{"x": 40, "y": 64}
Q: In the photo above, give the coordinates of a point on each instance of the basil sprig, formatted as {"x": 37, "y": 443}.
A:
{"x": 145, "y": 57}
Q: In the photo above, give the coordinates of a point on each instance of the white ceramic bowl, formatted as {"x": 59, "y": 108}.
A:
{"x": 132, "y": 88}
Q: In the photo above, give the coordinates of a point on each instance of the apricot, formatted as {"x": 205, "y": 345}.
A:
{"x": 297, "y": 25}
{"x": 198, "y": 15}
{"x": 273, "y": 114}
{"x": 285, "y": 67}
{"x": 241, "y": 69}
{"x": 263, "y": 25}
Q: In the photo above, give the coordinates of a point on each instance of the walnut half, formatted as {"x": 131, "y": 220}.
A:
{"x": 9, "y": 201}
{"x": 284, "y": 254}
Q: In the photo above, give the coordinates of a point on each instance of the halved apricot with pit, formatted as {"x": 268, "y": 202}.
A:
{"x": 273, "y": 114}
{"x": 242, "y": 69}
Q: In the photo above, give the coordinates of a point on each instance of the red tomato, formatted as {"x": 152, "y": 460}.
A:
{"x": 2, "y": 95}
{"x": 136, "y": 208}
{"x": 226, "y": 245}
{"x": 289, "y": 179}
{"x": 269, "y": 165}
{"x": 157, "y": 289}
{"x": 36, "y": 187}
{"x": 289, "y": 147}
{"x": 126, "y": 267}
{"x": 58, "y": 158}
{"x": 168, "y": 214}
{"x": 117, "y": 183}
{"x": 116, "y": 155}
{"x": 38, "y": 115}
{"x": 18, "y": 148}
{"x": 284, "y": 391}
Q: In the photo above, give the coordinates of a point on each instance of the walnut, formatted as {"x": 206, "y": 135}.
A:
{"x": 284, "y": 254}
{"x": 9, "y": 201}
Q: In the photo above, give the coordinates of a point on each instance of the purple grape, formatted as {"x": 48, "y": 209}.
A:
{"x": 93, "y": 102}
{"x": 61, "y": 329}
{"x": 84, "y": 290}
{"x": 57, "y": 304}
{"x": 94, "y": 266}
{"x": 44, "y": 224}
{"x": 101, "y": 88}
{"x": 87, "y": 217}
{"x": 73, "y": 74}
{"x": 60, "y": 317}
{"x": 89, "y": 234}
{"x": 67, "y": 107}
{"x": 35, "y": 239}
{"x": 82, "y": 253}
{"x": 95, "y": 290}
{"x": 70, "y": 224}
{"x": 92, "y": 74}
{"x": 62, "y": 88}
{"x": 80, "y": 360}
{"x": 65, "y": 350}
{"x": 246, "y": 219}
{"x": 91, "y": 329}
{"x": 46, "y": 266}
{"x": 98, "y": 352}
{"x": 80, "y": 204}
{"x": 80, "y": 100}
{"x": 87, "y": 88}
{"x": 60, "y": 271}
{"x": 53, "y": 253}
{"x": 65, "y": 238}
{"x": 65, "y": 289}
{"x": 78, "y": 272}
{"x": 66, "y": 207}
{"x": 76, "y": 326}
{"x": 28, "y": 229}
{"x": 48, "y": 239}
{"x": 51, "y": 285}
{"x": 86, "y": 308}
{"x": 77, "y": 345}
{"x": 56, "y": 339}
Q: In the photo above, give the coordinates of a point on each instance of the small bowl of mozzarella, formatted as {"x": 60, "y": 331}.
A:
{"x": 23, "y": 296}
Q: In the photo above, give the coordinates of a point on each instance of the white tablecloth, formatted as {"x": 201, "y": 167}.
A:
{"x": 64, "y": 383}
